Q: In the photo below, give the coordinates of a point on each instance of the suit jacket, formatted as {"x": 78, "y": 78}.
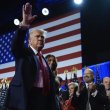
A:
{"x": 96, "y": 103}
{"x": 26, "y": 69}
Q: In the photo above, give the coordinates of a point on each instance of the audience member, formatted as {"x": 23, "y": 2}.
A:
{"x": 88, "y": 96}
{"x": 106, "y": 83}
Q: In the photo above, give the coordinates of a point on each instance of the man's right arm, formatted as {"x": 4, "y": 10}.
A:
{"x": 18, "y": 41}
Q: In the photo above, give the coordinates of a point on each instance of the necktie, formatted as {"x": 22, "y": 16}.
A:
{"x": 45, "y": 75}
{"x": 88, "y": 104}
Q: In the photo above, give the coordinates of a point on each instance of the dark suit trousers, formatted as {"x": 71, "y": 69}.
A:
{"x": 37, "y": 101}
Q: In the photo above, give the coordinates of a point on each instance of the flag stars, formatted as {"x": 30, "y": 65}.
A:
{"x": 12, "y": 58}
{"x": 6, "y": 38}
{"x": 2, "y": 48}
{"x": 9, "y": 55}
{"x": 9, "y": 34}
{"x": 9, "y": 49}
{"x": 6, "y": 59}
{"x": 1, "y": 61}
{"x": 5, "y": 50}
{"x": 4, "y": 35}
{"x": 2, "y": 54}
{"x": 5, "y": 44}
{"x": 8, "y": 46}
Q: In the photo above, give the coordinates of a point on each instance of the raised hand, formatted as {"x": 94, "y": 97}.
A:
{"x": 80, "y": 87}
{"x": 92, "y": 87}
{"x": 27, "y": 16}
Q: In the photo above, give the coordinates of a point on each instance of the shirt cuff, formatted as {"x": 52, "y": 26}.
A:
{"x": 77, "y": 93}
{"x": 94, "y": 93}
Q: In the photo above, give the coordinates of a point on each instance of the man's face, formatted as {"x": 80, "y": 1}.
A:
{"x": 88, "y": 76}
{"x": 106, "y": 82}
{"x": 37, "y": 40}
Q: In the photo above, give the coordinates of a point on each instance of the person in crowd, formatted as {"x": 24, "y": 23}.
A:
{"x": 52, "y": 61}
{"x": 63, "y": 92}
{"x": 4, "y": 84}
{"x": 33, "y": 85}
{"x": 89, "y": 96}
{"x": 106, "y": 83}
{"x": 67, "y": 104}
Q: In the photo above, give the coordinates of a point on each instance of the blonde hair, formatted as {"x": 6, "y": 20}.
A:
{"x": 72, "y": 83}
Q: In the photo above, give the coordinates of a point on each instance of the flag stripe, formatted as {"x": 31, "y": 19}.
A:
{"x": 68, "y": 56}
{"x": 60, "y": 47}
{"x": 56, "y": 21}
{"x": 6, "y": 65}
{"x": 63, "y": 41}
{"x": 7, "y": 70}
{"x": 64, "y": 35}
{"x": 64, "y": 30}
{"x": 63, "y": 25}
{"x": 75, "y": 60}
{"x": 69, "y": 62}
{"x": 65, "y": 51}
{"x": 7, "y": 74}
{"x": 61, "y": 70}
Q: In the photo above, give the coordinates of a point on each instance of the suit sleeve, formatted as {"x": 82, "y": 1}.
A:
{"x": 101, "y": 95}
{"x": 18, "y": 47}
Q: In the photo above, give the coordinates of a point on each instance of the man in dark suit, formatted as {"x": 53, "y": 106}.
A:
{"x": 33, "y": 85}
{"x": 89, "y": 96}
{"x": 106, "y": 83}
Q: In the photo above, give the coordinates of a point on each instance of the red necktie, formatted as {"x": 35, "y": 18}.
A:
{"x": 45, "y": 75}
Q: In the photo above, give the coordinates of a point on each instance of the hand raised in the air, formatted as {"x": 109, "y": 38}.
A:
{"x": 27, "y": 17}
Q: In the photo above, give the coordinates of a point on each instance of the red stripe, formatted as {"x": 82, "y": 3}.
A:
{"x": 64, "y": 46}
{"x": 7, "y": 70}
{"x": 62, "y": 36}
{"x": 61, "y": 58}
{"x": 55, "y": 18}
{"x": 69, "y": 68}
{"x": 69, "y": 80}
{"x": 8, "y": 79}
{"x": 63, "y": 25}
{"x": 69, "y": 56}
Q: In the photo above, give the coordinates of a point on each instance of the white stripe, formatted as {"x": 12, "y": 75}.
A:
{"x": 56, "y": 53}
{"x": 6, "y": 75}
{"x": 65, "y": 51}
{"x": 62, "y": 75}
{"x": 62, "y": 41}
{"x": 69, "y": 62}
{"x": 57, "y": 22}
{"x": 63, "y": 30}
{"x": 7, "y": 65}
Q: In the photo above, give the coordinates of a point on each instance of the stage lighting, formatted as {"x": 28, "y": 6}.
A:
{"x": 78, "y": 1}
{"x": 45, "y": 11}
{"x": 16, "y": 21}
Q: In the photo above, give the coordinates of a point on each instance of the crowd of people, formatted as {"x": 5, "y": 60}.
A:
{"x": 36, "y": 86}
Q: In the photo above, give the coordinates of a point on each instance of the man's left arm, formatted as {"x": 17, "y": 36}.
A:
{"x": 99, "y": 94}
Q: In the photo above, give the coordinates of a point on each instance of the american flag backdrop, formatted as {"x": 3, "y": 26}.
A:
{"x": 63, "y": 40}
